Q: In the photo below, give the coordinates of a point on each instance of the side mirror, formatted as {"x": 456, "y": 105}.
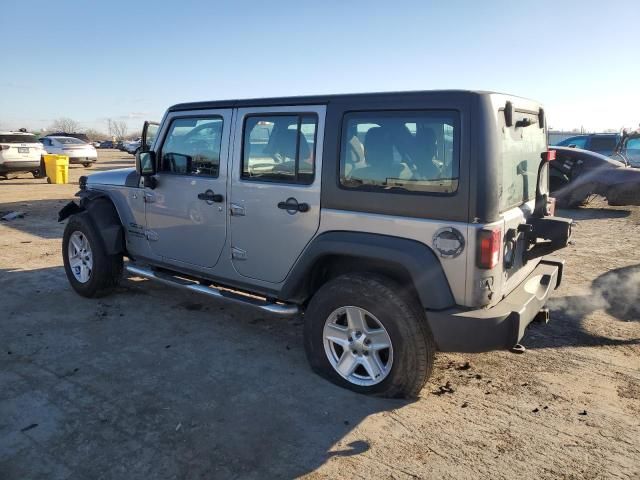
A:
{"x": 146, "y": 163}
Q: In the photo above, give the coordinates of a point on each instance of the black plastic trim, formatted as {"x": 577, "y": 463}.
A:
{"x": 104, "y": 216}
{"x": 415, "y": 258}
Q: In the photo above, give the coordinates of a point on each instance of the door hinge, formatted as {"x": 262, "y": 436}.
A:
{"x": 151, "y": 235}
{"x": 238, "y": 253}
{"x": 236, "y": 210}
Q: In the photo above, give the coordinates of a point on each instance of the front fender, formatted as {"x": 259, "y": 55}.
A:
{"x": 103, "y": 215}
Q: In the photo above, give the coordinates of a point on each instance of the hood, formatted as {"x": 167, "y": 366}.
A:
{"x": 118, "y": 177}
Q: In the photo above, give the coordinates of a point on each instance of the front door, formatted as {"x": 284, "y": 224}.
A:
{"x": 275, "y": 188}
{"x": 186, "y": 212}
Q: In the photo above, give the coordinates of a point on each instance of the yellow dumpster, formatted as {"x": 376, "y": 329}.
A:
{"x": 57, "y": 168}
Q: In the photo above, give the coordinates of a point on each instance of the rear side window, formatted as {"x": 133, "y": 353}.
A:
{"x": 279, "y": 148}
{"x": 9, "y": 138}
{"x": 412, "y": 151}
{"x": 192, "y": 146}
{"x": 603, "y": 144}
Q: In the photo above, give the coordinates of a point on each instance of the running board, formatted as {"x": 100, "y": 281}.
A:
{"x": 285, "y": 309}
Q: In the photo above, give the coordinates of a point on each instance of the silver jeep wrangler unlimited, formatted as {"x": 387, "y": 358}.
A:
{"x": 398, "y": 224}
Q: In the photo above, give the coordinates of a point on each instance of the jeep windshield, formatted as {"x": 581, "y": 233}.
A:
{"x": 522, "y": 144}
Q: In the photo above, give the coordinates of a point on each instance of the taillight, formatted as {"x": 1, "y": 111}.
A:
{"x": 549, "y": 155}
{"x": 489, "y": 248}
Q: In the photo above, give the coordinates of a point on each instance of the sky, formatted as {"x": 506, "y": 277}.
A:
{"x": 130, "y": 60}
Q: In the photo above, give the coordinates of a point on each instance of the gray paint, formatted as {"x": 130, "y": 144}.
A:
{"x": 182, "y": 229}
{"x": 269, "y": 242}
{"x": 272, "y": 238}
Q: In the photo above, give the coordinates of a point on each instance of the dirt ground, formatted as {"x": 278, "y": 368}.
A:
{"x": 156, "y": 383}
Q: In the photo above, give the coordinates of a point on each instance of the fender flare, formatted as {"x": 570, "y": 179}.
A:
{"x": 417, "y": 259}
{"x": 104, "y": 216}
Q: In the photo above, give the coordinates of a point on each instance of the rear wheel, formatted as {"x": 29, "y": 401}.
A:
{"x": 90, "y": 270}
{"x": 363, "y": 333}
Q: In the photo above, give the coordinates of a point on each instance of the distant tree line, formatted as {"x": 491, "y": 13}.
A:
{"x": 116, "y": 129}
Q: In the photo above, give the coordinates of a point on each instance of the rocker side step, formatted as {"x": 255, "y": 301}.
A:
{"x": 284, "y": 309}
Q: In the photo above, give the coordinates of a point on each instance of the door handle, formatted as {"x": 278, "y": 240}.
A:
{"x": 210, "y": 197}
{"x": 292, "y": 206}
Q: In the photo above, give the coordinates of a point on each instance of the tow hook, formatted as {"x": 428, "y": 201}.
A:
{"x": 542, "y": 316}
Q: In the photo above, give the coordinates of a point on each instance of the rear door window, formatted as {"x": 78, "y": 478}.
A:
{"x": 401, "y": 151}
{"x": 279, "y": 148}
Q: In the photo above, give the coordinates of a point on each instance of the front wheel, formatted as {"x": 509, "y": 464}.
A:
{"x": 90, "y": 270}
{"x": 364, "y": 333}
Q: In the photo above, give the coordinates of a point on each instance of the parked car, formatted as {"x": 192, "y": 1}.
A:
{"x": 79, "y": 136}
{"x": 132, "y": 147}
{"x": 602, "y": 143}
{"x": 577, "y": 174}
{"x": 19, "y": 152}
{"x": 628, "y": 149}
{"x": 106, "y": 144}
{"x": 77, "y": 150}
{"x": 119, "y": 145}
{"x": 399, "y": 223}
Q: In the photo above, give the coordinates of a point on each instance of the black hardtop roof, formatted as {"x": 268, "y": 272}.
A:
{"x": 320, "y": 99}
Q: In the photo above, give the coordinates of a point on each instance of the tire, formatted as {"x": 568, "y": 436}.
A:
{"x": 42, "y": 171}
{"x": 400, "y": 315}
{"x": 106, "y": 270}
{"x": 86, "y": 164}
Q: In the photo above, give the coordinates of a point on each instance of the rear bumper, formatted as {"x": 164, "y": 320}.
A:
{"x": 20, "y": 166}
{"x": 503, "y": 325}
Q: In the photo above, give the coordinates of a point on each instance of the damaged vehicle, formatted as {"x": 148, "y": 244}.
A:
{"x": 628, "y": 149}
{"x": 394, "y": 224}
{"x": 576, "y": 175}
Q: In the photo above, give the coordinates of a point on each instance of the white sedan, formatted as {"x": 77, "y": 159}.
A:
{"x": 77, "y": 150}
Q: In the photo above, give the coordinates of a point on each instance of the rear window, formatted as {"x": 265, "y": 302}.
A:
{"x": 521, "y": 150}
{"x": 68, "y": 140}
{"x": 11, "y": 138}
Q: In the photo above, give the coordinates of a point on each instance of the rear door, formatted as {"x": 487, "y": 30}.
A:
{"x": 522, "y": 147}
{"x": 186, "y": 212}
{"x": 275, "y": 189}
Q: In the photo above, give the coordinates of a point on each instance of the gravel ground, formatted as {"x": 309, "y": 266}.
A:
{"x": 157, "y": 383}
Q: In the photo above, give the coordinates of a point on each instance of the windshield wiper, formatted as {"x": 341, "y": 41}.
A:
{"x": 526, "y": 122}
